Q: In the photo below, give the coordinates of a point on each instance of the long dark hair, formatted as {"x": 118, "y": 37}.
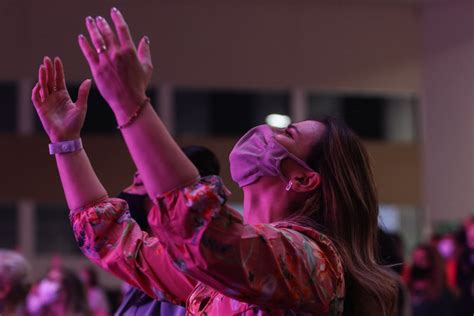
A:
{"x": 76, "y": 300}
{"x": 345, "y": 208}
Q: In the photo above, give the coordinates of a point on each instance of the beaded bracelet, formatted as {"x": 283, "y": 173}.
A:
{"x": 135, "y": 115}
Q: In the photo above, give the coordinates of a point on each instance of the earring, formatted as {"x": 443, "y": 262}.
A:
{"x": 288, "y": 186}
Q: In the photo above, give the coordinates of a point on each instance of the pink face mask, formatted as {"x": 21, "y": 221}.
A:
{"x": 258, "y": 154}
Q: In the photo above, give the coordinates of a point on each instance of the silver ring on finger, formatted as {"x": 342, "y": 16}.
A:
{"x": 102, "y": 48}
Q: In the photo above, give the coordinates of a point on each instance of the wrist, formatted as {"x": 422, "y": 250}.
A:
{"x": 63, "y": 137}
{"x": 126, "y": 105}
{"x": 125, "y": 119}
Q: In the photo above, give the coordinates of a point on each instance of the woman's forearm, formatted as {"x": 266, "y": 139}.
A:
{"x": 122, "y": 73}
{"x": 160, "y": 161}
{"x": 80, "y": 183}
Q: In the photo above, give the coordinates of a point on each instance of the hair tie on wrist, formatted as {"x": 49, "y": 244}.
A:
{"x": 135, "y": 115}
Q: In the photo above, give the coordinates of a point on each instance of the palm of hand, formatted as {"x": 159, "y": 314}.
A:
{"x": 62, "y": 119}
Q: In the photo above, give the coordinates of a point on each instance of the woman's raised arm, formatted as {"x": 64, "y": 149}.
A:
{"x": 103, "y": 228}
{"x": 122, "y": 73}
{"x": 62, "y": 120}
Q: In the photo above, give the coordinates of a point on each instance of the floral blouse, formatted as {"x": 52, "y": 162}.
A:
{"x": 205, "y": 255}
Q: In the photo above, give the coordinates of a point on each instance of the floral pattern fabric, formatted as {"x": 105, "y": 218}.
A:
{"x": 110, "y": 238}
{"x": 239, "y": 269}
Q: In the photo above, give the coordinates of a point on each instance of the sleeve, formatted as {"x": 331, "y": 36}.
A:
{"x": 110, "y": 238}
{"x": 261, "y": 264}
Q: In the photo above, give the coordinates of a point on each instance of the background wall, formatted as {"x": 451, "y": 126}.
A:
{"x": 448, "y": 112}
{"x": 232, "y": 43}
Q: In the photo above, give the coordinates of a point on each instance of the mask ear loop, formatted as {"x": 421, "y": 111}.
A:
{"x": 288, "y": 186}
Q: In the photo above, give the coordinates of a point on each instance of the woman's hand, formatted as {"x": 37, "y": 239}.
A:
{"x": 120, "y": 71}
{"x": 62, "y": 119}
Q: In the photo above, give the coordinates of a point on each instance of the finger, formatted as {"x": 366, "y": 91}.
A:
{"x": 83, "y": 93}
{"x": 89, "y": 53}
{"x": 50, "y": 71}
{"x": 59, "y": 69}
{"x": 35, "y": 95}
{"x": 122, "y": 29}
{"x": 43, "y": 99}
{"x": 144, "y": 53}
{"x": 43, "y": 80}
{"x": 108, "y": 35}
{"x": 96, "y": 37}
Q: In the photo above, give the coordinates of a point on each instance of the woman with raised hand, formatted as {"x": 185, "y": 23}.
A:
{"x": 306, "y": 242}
{"x": 134, "y": 252}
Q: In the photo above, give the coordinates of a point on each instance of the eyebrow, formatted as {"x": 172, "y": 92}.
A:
{"x": 295, "y": 128}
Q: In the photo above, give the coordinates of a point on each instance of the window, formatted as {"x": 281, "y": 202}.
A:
{"x": 8, "y": 101}
{"x": 8, "y": 226}
{"x": 225, "y": 112}
{"x": 53, "y": 230}
{"x": 372, "y": 117}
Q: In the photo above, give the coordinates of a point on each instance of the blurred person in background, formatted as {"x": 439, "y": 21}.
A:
{"x": 14, "y": 286}
{"x": 135, "y": 301}
{"x": 59, "y": 293}
{"x": 448, "y": 248}
{"x": 426, "y": 281}
{"x": 465, "y": 270}
{"x": 96, "y": 296}
{"x": 390, "y": 253}
{"x": 390, "y": 250}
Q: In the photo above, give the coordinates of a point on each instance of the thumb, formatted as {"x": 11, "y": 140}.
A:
{"x": 83, "y": 93}
{"x": 144, "y": 53}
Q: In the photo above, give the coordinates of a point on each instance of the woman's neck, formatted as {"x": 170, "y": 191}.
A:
{"x": 266, "y": 201}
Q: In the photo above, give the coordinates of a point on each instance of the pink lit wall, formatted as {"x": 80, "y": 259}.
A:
{"x": 448, "y": 109}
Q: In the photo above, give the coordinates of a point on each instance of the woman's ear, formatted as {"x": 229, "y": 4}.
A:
{"x": 306, "y": 182}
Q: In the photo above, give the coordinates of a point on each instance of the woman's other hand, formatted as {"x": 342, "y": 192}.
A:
{"x": 121, "y": 72}
{"x": 62, "y": 119}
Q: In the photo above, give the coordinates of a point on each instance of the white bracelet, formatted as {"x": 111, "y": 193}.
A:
{"x": 68, "y": 146}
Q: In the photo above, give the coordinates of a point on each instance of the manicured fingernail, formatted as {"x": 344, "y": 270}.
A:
{"x": 115, "y": 10}
{"x": 89, "y": 19}
{"x": 81, "y": 37}
{"x": 147, "y": 40}
{"x": 99, "y": 19}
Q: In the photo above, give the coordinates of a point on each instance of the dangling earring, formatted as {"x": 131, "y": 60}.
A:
{"x": 288, "y": 186}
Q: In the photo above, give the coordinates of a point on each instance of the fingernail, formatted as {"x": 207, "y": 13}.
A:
{"x": 147, "y": 40}
{"x": 115, "y": 10}
{"x": 81, "y": 36}
{"x": 99, "y": 18}
{"x": 89, "y": 19}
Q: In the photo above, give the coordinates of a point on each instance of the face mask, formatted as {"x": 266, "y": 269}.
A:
{"x": 258, "y": 154}
{"x": 446, "y": 248}
{"x": 48, "y": 292}
{"x": 136, "y": 205}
